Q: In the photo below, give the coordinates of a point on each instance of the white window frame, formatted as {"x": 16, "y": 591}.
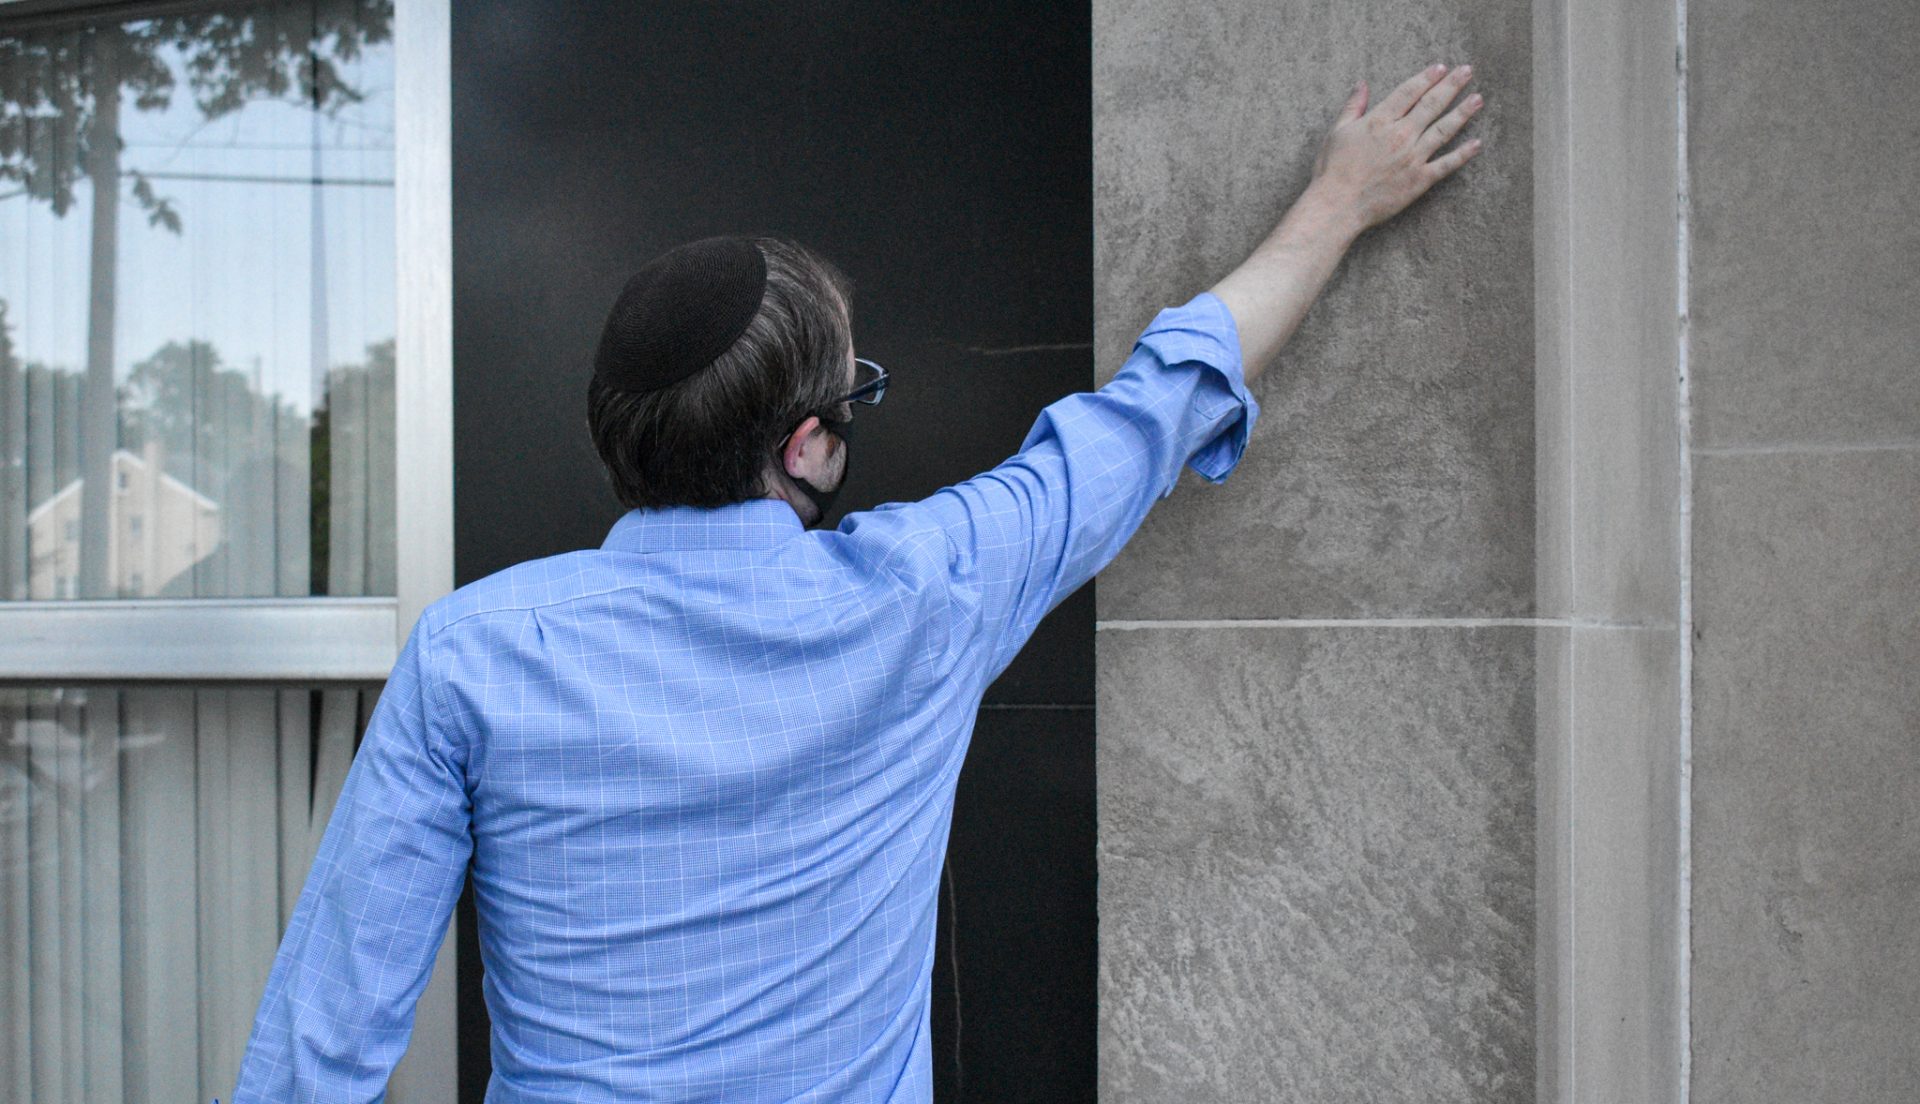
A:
{"x": 320, "y": 640}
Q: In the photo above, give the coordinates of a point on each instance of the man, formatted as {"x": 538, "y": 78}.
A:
{"x": 704, "y": 773}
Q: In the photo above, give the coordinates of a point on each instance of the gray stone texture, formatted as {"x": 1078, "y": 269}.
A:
{"x": 1608, "y": 869}
{"x": 1391, "y": 472}
{"x": 1609, "y": 524}
{"x": 1805, "y": 357}
{"x": 1805, "y": 160}
{"x": 1806, "y": 784}
{"x": 1606, "y": 275}
{"x": 1316, "y": 864}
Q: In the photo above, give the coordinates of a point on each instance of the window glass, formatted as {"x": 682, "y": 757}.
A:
{"x": 153, "y": 842}
{"x": 197, "y": 304}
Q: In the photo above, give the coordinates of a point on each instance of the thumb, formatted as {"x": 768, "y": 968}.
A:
{"x": 1356, "y": 103}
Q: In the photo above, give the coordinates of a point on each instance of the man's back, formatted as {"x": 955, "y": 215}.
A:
{"x": 710, "y": 789}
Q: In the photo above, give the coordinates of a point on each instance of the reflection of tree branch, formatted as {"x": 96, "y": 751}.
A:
{"x": 223, "y": 60}
{"x": 160, "y": 212}
{"x": 189, "y": 137}
{"x": 269, "y": 147}
{"x": 360, "y": 124}
{"x": 242, "y": 178}
{"x": 331, "y": 113}
{"x": 175, "y": 149}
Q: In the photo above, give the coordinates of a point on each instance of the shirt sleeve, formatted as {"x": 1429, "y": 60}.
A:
{"x": 339, "y": 1002}
{"x": 1026, "y": 534}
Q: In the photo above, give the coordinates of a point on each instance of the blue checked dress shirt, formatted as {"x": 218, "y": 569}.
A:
{"x": 704, "y": 773}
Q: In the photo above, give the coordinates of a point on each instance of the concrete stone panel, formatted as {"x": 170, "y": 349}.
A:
{"x": 1805, "y": 161}
{"x": 1608, "y": 898}
{"x": 1316, "y": 864}
{"x": 1606, "y": 276}
{"x": 1806, "y": 778}
{"x": 1392, "y": 469}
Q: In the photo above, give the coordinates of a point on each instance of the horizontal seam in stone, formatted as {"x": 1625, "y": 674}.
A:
{"x": 1807, "y": 447}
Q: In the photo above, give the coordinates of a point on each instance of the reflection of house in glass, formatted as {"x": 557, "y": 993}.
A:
{"x": 160, "y": 528}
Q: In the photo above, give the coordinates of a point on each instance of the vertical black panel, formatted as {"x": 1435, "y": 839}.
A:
{"x": 1015, "y": 1022}
{"x": 939, "y": 153}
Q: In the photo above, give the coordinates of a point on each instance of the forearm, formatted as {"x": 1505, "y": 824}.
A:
{"x": 1270, "y": 292}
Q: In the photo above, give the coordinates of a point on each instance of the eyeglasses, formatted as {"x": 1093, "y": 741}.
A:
{"x": 871, "y": 383}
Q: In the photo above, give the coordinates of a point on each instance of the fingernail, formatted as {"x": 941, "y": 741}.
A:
{"x": 1437, "y": 67}
{"x": 1465, "y": 70}
{"x": 1475, "y": 100}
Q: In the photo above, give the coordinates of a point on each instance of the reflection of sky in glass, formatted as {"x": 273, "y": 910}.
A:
{"x": 239, "y": 274}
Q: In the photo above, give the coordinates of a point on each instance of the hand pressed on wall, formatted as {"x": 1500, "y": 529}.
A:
{"x": 1371, "y": 165}
{"x": 1377, "y": 162}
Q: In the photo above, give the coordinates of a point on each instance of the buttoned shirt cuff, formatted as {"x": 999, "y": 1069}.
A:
{"x": 1202, "y": 332}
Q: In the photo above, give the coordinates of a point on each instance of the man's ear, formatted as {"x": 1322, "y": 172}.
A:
{"x": 791, "y": 453}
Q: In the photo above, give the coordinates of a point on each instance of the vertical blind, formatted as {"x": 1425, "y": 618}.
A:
{"x": 152, "y": 844}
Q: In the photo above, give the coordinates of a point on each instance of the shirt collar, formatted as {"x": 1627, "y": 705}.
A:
{"x": 754, "y": 525}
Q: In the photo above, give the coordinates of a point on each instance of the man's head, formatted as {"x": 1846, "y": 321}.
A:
{"x": 745, "y": 423}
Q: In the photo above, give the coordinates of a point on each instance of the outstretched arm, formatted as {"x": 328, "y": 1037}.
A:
{"x": 1019, "y": 538}
{"x": 1372, "y": 164}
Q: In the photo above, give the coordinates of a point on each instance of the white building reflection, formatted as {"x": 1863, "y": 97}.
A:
{"x": 159, "y": 528}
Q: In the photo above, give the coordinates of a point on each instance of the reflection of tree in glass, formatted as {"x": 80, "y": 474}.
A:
{"x": 35, "y": 400}
{"x": 61, "y": 93}
{"x": 13, "y": 465}
{"x": 361, "y": 450}
{"x": 198, "y": 413}
{"x": 210, "y": 426}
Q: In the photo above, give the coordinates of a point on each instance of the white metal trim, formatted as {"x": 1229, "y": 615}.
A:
{"x": 423, "y": 383}
{"x": 423, "y": 431}
{"x": 281, "y": 640}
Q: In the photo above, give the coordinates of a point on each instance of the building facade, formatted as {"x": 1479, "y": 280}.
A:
{"x": 1529, "y": 718}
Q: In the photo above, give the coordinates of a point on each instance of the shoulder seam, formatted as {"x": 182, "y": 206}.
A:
{"x": 528, "y": 607}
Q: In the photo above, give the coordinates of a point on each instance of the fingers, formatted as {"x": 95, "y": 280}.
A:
{"x": 1403, "y": 97}
{"x": 1442, "y": 132}
{"x": 1439, "y": 96}
{"x": 1356, "y": 104}
{"x": 1442, "y": 167}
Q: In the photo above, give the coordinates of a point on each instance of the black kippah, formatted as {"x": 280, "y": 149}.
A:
{"x": 680, "y": 312}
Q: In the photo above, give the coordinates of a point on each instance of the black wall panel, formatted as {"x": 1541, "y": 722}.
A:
{"x": 941, "y": 155}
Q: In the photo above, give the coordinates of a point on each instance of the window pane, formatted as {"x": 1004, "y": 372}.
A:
{"x": 207, "y": 337}
{"x": 153, "y": 842}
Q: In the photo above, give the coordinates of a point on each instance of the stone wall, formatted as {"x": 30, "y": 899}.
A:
{"x": 1315, "y": 703}
{"x": 1805, "y": 358}
{"x": 1530, "y": 717}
